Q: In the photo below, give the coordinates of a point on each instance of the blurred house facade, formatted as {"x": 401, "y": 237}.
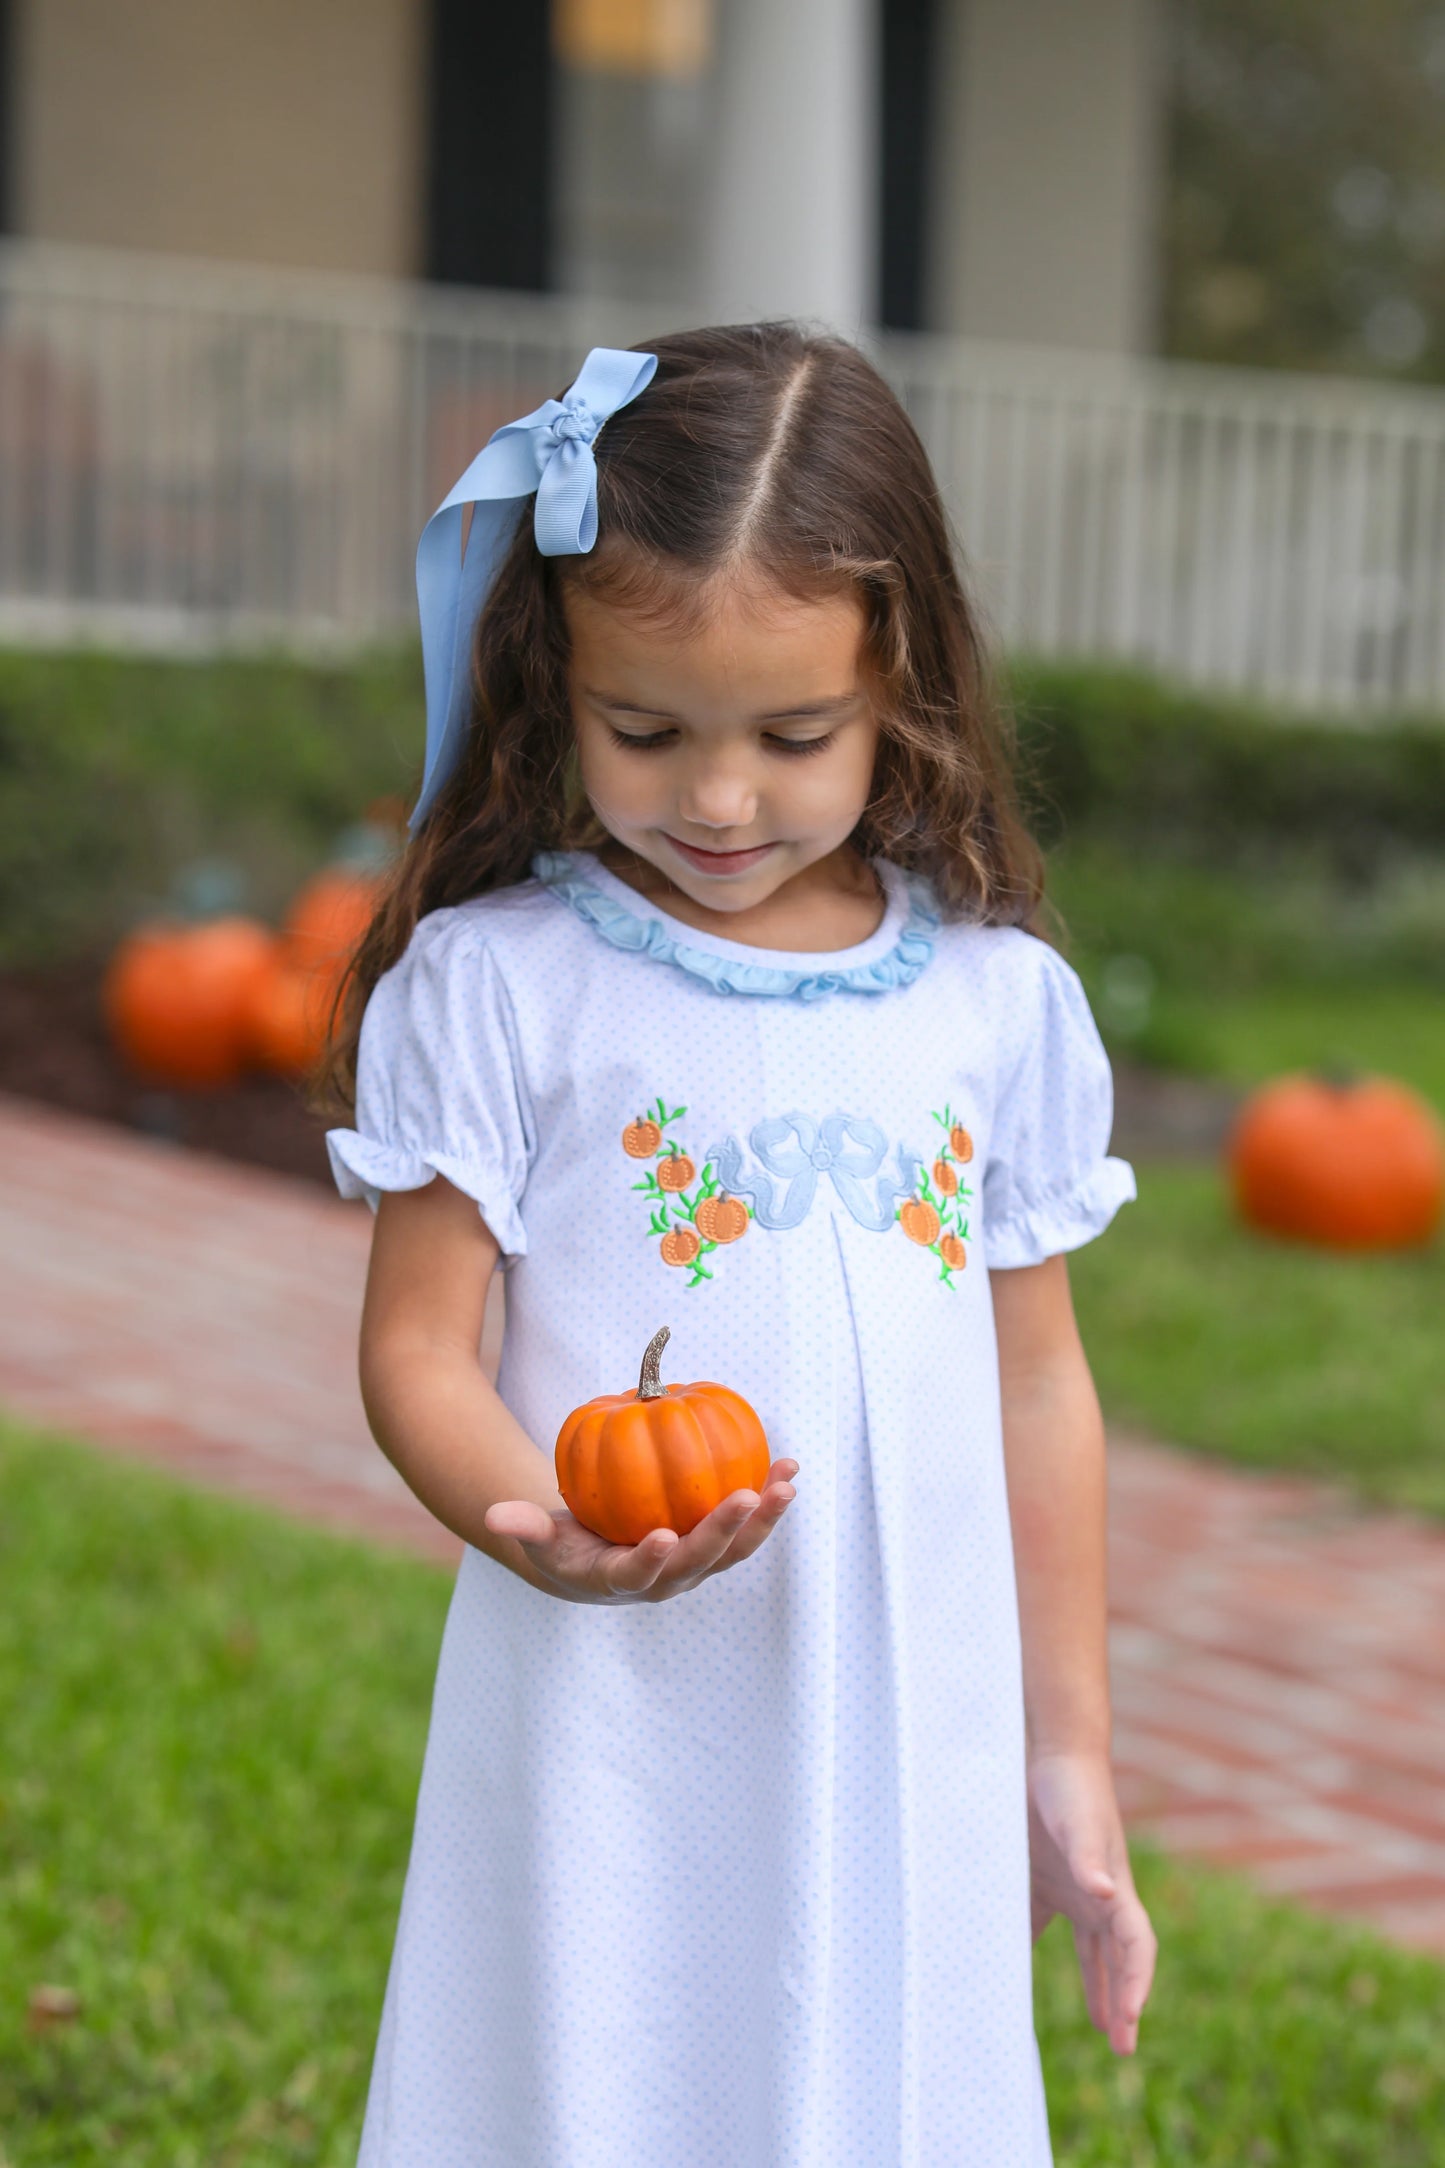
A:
{"x": 270, "y": 272}
{"x": 988, "y": 167}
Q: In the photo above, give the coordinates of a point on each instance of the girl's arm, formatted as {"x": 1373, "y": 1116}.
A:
{"x": 1054, "y": 1453}
{"x": 438, "y": 1419}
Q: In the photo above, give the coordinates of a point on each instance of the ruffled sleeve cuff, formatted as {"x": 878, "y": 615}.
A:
{"x": 364, "y": 1167}
{"x": 1063, "y": 1219}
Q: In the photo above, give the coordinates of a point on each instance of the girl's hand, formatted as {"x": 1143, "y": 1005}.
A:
{"x": 569, "y": 1561}
{"x": 1079, "y": 1866}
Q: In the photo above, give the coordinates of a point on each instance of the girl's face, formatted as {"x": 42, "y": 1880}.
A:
{"x": 733, "y": 753}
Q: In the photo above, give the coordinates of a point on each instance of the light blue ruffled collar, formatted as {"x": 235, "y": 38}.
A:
{"x": 892, "y": 956}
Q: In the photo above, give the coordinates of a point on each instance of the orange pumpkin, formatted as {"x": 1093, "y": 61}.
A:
{"x": 953, "y": 1253}
{"x": 1352, "y": 1165}
{"x": 177, "y": 998}
{"x": 679, "y": 1246}
{"x": 661, "y": 1457}
{"x": 640, "y": 1139}
{"x": 675, "y": 1171}
{"x": 920, "y": 1222}
{"x": 945, "y": 1177}
{"x": 290, "y": 1017}
{"x": 961, "y": 1142}
{"x": 329, "y": 915}
{"x": 721, "y": 1219}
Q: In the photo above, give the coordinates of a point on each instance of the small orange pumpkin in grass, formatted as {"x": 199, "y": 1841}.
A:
{"x": 945, "y": 1177}
{"x": 675, "y": 1171}
{"x": 721, "y": 1219}
{"x": 661, "y": 1457}
{"x": 962, "y": 1143}
{"x": 1353, "y": 1165}
{"x": 953, "y": 1253}
{"x": 679, "y": 1246}
{"x": 177, "y": 998}
{"x": 640, "y": 1139}
{"x": 920, "y": 1222}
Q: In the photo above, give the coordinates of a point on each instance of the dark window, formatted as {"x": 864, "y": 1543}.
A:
{"x": 489, "y": 143}
{"x": 908, "y": 47}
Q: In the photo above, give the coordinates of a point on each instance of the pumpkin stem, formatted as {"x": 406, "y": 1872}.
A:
{"x": 650, "y": 1385}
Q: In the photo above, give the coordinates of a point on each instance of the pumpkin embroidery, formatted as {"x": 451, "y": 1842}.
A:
{"x": 934, "y": 1217}
{"x": 691, "y": 1213}
{"x": 694, "y": 1214}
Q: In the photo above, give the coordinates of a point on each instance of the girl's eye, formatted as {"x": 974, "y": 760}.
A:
{"x": 642, "y": 741}
{"x": 802, "y": 746}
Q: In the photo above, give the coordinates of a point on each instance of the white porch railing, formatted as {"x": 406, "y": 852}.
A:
{"x": 194, "y": 455}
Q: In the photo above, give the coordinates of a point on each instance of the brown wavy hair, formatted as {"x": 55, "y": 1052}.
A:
{"x": 761, "y": 445}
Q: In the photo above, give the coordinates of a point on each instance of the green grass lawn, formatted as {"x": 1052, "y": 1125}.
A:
{"x": 210, "y": 1731}
{"x": 1267, "y": 1351}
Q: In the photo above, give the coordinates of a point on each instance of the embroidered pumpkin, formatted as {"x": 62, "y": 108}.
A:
{"x": 945, "y": 1177}
{"x": 661, "y": 1457}
{"x": 640, "y": 1139}
{"x": 679, "y": 1246}
{"x": 920, "y": 1222}
{"x": 962, "y": 1143}
{"x": 721, "y": 1219}
{"x": 675, "y": 1171}
{"x": 1357, "y": 1165}
{"x": 953, "y": 1253}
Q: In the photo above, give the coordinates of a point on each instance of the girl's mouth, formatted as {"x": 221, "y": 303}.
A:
{"x": 720, "y": 862}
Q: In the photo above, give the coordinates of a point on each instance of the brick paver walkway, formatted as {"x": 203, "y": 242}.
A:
{"x": 1279, "y": 1660}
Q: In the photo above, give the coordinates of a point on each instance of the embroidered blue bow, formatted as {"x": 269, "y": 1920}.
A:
{"x": 549, "y": 451}
{"x": 794, "y": 1149}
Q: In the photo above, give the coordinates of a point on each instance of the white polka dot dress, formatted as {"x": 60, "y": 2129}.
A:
{"x": 739, "y": 1880}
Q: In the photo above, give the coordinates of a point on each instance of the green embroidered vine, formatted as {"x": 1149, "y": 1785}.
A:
{"x": 691, "y": 1213}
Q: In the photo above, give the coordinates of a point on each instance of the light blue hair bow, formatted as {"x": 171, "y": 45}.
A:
{"x": 550, "y": 452}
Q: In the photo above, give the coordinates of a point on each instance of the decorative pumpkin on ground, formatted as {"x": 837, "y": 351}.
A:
{"x": 290, "y": 1016}
{"x": 328, "y": 917}
{"x": 1351, "y": 1164}
{"x": 178, "y": 998}
{"x": 661, "y": 1457}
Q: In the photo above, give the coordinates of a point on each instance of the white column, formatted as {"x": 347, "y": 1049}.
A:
{"x": 791, "y": 214}
{"x": 1044, "y": 205}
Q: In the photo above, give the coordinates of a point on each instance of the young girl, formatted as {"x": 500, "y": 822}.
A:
{"x": 708, "y": 995}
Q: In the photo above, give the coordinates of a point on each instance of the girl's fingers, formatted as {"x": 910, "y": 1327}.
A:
{"x": 526, "y": 1522}
{"x": 760, "y": 1523}
{"x": 625, "y": 1572}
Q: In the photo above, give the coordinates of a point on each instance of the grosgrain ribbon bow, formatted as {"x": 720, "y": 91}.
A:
{"x": 549, "y": 451}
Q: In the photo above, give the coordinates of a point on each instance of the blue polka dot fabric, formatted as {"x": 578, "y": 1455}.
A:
{"x": 741, "y": 1878}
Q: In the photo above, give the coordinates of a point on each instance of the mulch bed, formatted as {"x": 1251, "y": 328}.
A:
{"x": 54, "y": 1048}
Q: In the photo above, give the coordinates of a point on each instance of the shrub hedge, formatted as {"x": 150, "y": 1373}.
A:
{"x": 119, "y": 773}
{"x": 1117, "y": 755}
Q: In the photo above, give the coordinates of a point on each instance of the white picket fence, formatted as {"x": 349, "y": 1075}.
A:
{"x": 195, "y": 456}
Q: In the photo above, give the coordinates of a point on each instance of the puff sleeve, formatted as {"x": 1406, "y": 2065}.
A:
{"x": 439, "y": 1082}
{"x": 1049, "y": 1184}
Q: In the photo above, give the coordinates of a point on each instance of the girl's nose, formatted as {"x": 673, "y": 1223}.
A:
{"x": 718, "y": 796}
